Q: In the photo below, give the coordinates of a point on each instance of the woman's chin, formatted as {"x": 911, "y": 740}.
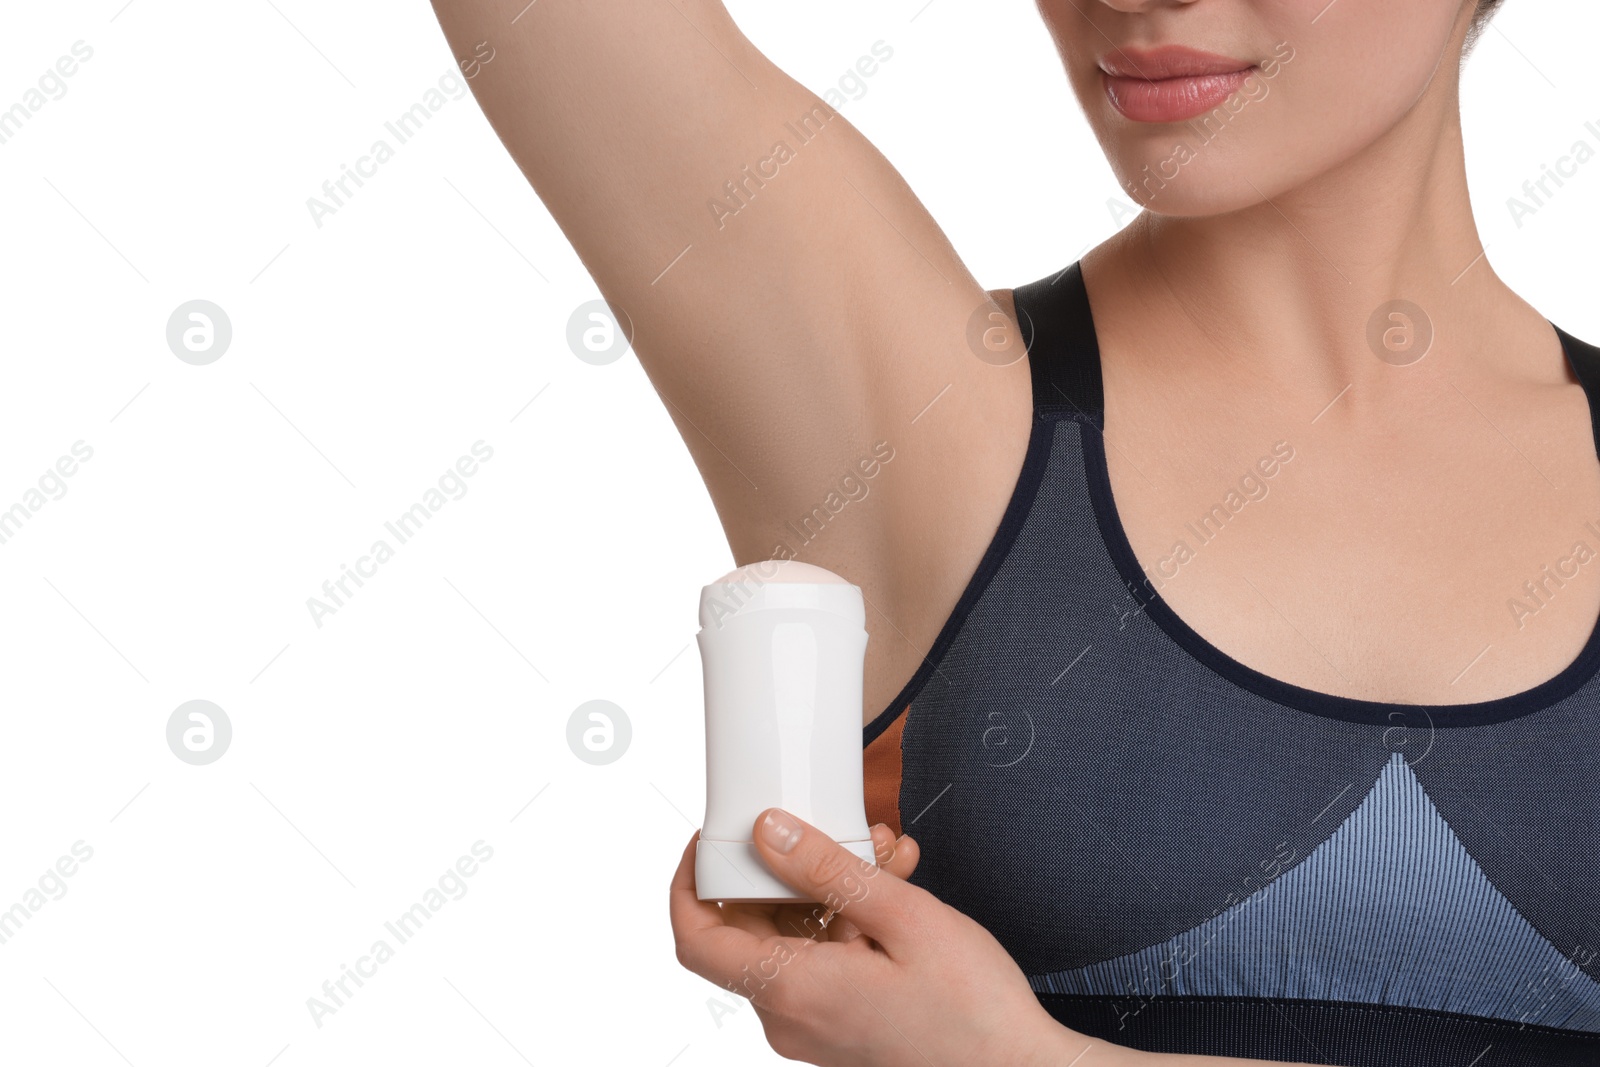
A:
{"x": 1196, "y": 191}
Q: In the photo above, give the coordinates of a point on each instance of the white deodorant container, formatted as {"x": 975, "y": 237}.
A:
{"x": 782, "y": 644}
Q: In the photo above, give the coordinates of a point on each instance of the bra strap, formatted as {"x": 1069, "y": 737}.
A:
{"x": 1063, "y": 352}
{"x": 1585, "y": 361}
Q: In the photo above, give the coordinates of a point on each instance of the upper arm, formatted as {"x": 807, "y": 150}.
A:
{"x": 790, "y": 327}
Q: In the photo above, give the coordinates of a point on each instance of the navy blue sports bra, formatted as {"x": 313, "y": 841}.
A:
{"x": 1186, "y": 855}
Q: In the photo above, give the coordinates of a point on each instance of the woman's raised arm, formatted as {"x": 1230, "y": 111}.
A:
{"x": 792, "y": 301}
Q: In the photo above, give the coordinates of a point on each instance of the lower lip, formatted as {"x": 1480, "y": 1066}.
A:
{"x": 1172, "y": 99}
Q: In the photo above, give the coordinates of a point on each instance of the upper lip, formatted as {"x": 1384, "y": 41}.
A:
{"x": 1168, "y": 61}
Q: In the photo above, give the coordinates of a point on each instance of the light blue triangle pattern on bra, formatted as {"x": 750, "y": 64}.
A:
{"x": 1390, "y": 910}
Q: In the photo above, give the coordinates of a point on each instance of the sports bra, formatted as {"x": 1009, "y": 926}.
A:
{"x": 1186, "y": 855}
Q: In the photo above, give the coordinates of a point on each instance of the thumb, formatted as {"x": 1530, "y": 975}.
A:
{"x": 811, "y": 863}
{"x": 897, "y": 855}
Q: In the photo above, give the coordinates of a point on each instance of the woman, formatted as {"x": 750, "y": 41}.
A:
{"x": 1231, "y": 647}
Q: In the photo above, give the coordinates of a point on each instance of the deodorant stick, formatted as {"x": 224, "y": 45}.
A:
{"x": 782, "y": 644}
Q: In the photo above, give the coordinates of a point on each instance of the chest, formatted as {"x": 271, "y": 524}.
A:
{"x": 1446, "y": 551}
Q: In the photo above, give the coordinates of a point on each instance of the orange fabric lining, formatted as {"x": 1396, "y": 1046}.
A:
{"x": 881, "y": 766}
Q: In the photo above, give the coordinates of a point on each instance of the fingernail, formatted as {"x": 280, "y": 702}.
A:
{"x": 780, "y": 831}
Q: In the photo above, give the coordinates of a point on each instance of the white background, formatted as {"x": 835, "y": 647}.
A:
{"x": 367, "y": 355}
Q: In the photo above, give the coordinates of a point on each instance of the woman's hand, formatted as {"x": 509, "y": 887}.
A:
{"x": 881, "y": 972}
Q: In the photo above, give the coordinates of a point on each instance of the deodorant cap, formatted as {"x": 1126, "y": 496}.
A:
{"x": 779, "y": 583}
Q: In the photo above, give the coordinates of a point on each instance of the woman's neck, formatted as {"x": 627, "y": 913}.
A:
{"x": 1288, "y": 287}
